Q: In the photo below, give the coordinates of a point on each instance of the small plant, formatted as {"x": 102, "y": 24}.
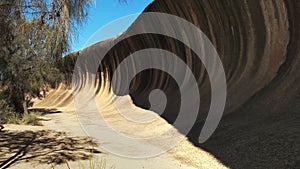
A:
{"x": 31, "y": 119}
{"x": 95, "y": 163}
{"x": 7, "y": 115}
{"x": 6, "y": 112}
{"x": 13, "y": 118}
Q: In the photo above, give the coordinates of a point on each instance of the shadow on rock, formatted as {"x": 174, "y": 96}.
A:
{"x": 45, "y": 111}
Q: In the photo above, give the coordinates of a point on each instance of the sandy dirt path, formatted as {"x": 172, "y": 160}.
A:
{"x": 62, "y": 118}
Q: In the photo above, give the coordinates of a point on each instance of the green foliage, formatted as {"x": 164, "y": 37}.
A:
{"x": 34, "y": 36}
{"x": 63, "y": 16}
{"x": 13, "y": 118}
{"x": 31, "y": 119}
{"x": 66, "y": 66}
{"x": 6, "y": 114}
{"x": 10, "y": 117}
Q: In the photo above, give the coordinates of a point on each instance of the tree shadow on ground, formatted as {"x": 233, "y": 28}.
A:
{"x": 43, "y": 147}
{"x": 44, "y": 111}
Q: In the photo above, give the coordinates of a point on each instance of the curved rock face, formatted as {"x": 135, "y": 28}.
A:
{"x": 258, "y": 42}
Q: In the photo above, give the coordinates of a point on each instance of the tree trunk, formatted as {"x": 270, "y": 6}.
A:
{"x": 25, "y": 107}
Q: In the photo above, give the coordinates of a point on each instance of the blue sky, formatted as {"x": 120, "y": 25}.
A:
{"x": 104, "y": 12}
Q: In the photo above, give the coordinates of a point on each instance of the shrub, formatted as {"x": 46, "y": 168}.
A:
{"x": 31, "y": 119}
{"x": 13, "y": 118}
{"x": 6, "y": 113}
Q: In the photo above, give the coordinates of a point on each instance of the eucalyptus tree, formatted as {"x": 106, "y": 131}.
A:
{"x": 34, "y": 36}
